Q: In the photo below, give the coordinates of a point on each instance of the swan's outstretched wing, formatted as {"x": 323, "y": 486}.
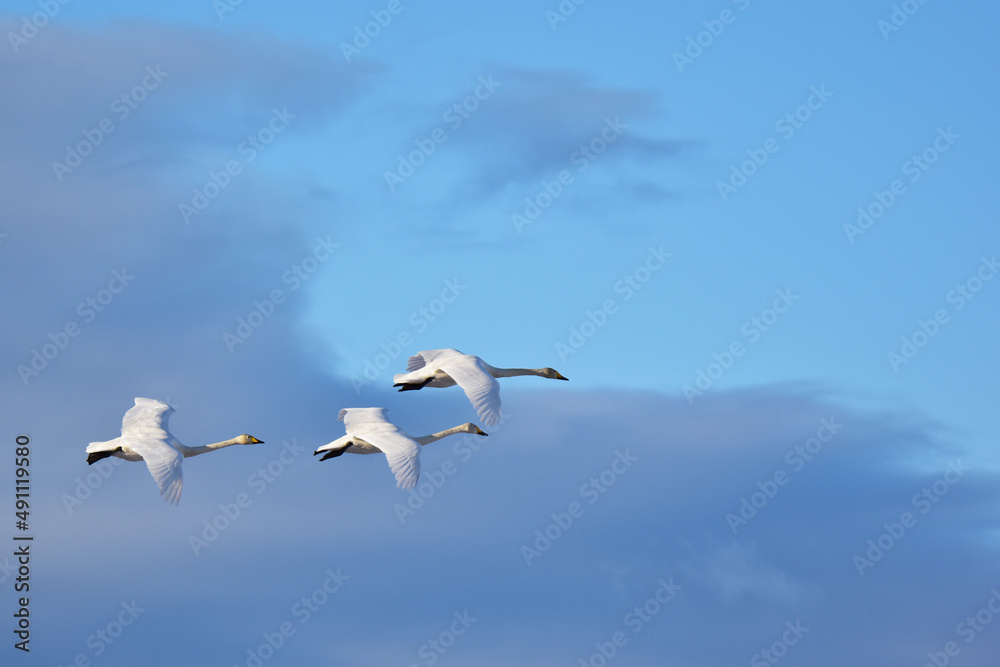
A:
{"x": 144, "y": 431}
{"x": 357, "y": 420}
{"x": 477, "y": 382}
{"x": 421, "y": 359}
{"x": 403, "y": 454}
{"x": 372, "y": 425}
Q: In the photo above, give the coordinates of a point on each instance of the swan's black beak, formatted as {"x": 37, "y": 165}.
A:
{"x": 559, "y": 376}
{"x": 255, "y": 441}
{"x": 480, "y": 431}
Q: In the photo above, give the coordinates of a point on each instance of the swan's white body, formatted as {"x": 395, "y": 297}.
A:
{"x": 448, "y": 367}
{"x": 145, "y": 438}
{"x": 369, "y": 431}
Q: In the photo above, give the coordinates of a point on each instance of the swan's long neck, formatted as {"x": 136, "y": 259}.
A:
{"x": 434, "y": 437}
{"x": 512, "y": 372}
{"x": 195, "y": 451}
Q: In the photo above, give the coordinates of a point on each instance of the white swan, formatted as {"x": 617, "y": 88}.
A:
{"x": 145, "y": 438}
{"x": 446, "y": 368}
{"x": 369, "y": 431}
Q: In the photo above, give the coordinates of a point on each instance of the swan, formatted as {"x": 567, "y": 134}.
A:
{"x": 145, "y": 438}
{"x": 446, "y": 368}
{"x": 369, "y": 431}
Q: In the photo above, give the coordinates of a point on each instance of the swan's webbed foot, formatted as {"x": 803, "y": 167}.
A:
{"x": 332, "y": 453}
{"x": 412, "y": 386}
{"x": 94, "y": 457}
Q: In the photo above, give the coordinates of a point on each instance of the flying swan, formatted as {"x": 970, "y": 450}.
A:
{"x": 446, "y": 368}
{"x": 145, "y": 438}
{"x": 369, "y": 431}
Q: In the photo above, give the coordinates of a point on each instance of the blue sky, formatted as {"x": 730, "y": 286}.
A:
{"x": 242, "y": 212}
